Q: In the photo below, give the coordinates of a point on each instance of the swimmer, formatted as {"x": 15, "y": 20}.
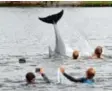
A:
{"x": 75, "y": 54}
{"x": 97, "y": 52}
{"x": 90, "y": 73}
{"x": 30, "y": 77}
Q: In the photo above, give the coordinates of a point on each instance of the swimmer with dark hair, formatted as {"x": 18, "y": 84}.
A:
{"x": 90, "y": 73}
{"x": 97, "y": 52}
{"x": 30, "y": 77}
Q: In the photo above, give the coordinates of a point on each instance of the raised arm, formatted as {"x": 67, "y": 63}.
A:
{"x": 45, "y": 77}
{"x": 41, "y": 71}
{"x": 70, "y": 77}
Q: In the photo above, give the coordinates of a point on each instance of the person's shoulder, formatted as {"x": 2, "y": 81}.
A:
{"x": 102, "y": 57}
{"x": 83, "y": 79}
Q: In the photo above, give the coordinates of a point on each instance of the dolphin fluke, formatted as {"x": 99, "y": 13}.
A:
{"x": 59, "y": 44}
{"x": 52, "y": 19}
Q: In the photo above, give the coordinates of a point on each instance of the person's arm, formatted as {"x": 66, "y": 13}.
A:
{"x": 44, "y": 76}
{"x": 72, "y": 78}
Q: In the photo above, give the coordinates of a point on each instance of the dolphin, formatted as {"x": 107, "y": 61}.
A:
{"x": 59, "y": 44}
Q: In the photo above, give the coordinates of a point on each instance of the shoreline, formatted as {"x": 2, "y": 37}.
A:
{"x": 55, "y": 3}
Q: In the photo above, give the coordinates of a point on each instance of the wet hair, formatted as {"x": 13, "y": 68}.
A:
{"x": 75, "y": 54}
{"x": 29, "y": 77}
{"x": 98, "y": 51}
{"x": 90, "y": 73}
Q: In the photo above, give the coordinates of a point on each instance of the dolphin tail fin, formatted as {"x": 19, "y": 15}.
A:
{"x": 52, "y": 19}
{"x": 50, "y": 52}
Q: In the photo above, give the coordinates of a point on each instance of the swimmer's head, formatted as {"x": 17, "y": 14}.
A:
{"x": 30, "y": 77}
{"x": 98, "y": 51}
{"x": 90, "y": 73}
{"x": 75, "y": 54}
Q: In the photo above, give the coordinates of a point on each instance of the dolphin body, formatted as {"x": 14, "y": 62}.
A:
{"x": 59, "y": 44}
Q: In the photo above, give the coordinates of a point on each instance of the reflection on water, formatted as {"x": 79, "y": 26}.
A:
{"x": 23, "y": 35}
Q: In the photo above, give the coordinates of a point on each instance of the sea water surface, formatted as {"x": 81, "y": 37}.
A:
{"x": 22, "y": 34}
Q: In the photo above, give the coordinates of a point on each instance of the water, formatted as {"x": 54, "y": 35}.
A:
{"x": 23, "y": 35}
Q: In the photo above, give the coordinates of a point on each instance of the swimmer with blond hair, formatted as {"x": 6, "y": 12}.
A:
{"x": 75, "y": 54}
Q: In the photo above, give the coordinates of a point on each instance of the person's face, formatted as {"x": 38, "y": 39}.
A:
{"x": 33, "y": 80}
{"x": 90, "y": 75}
